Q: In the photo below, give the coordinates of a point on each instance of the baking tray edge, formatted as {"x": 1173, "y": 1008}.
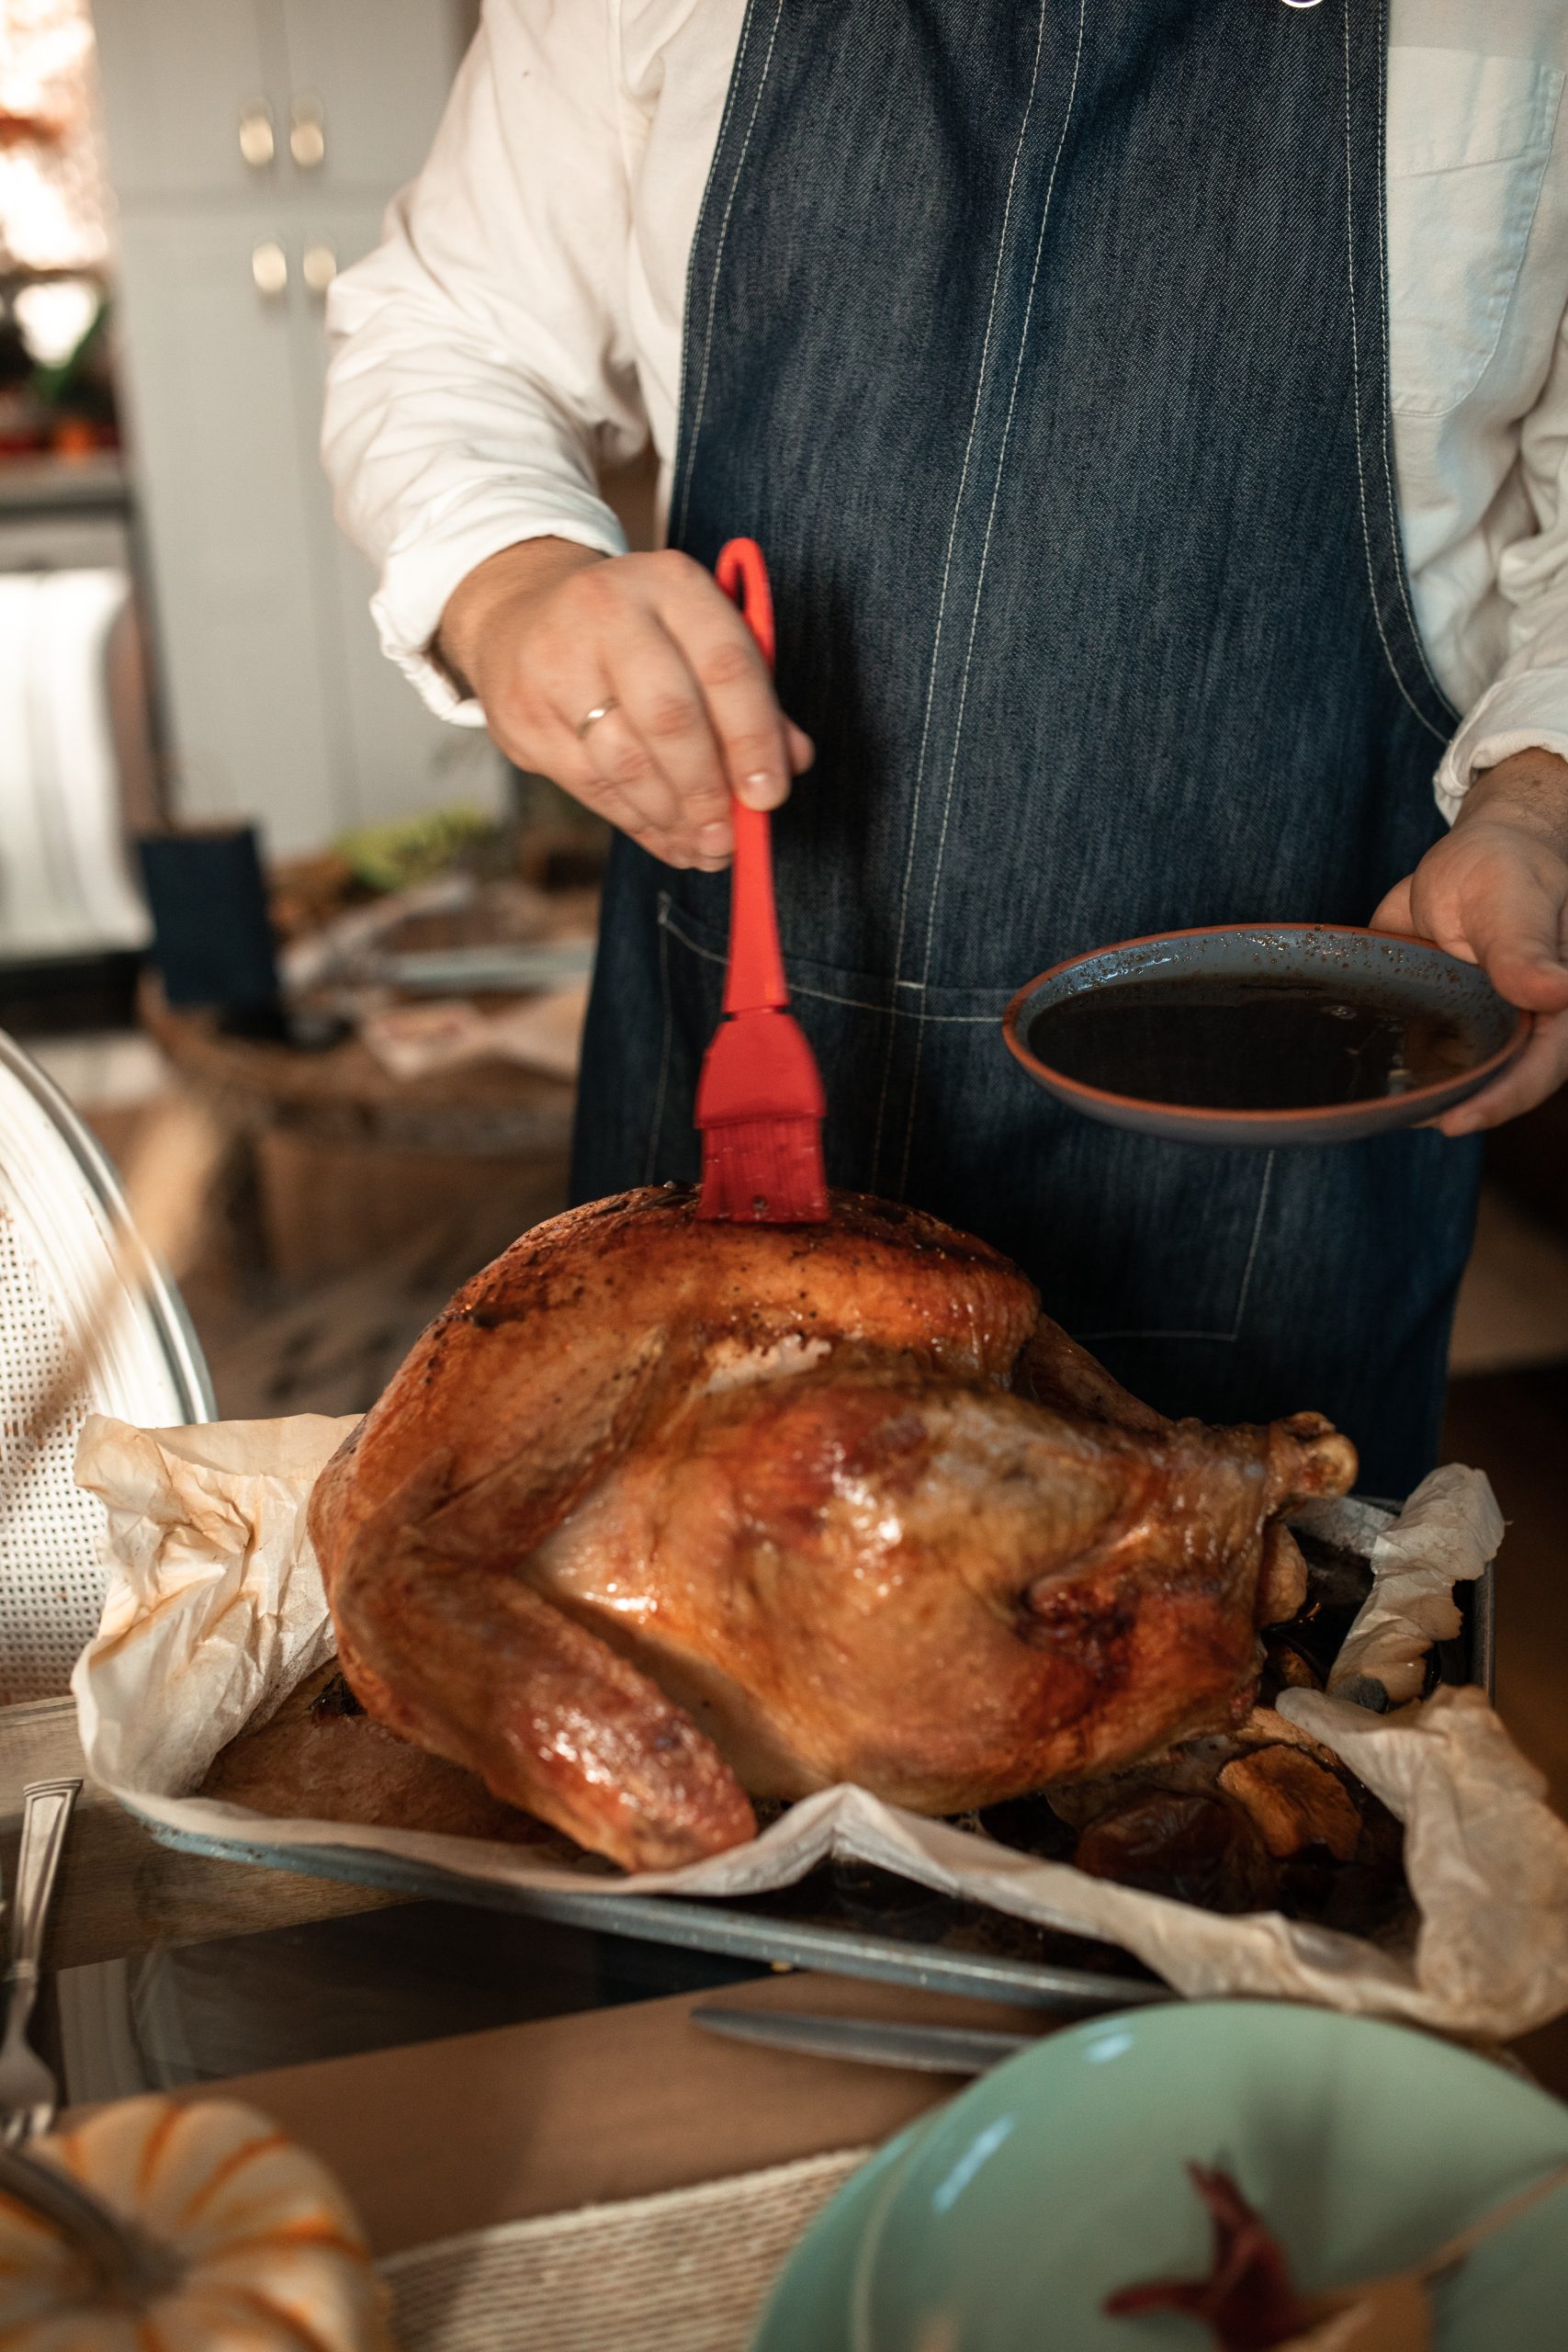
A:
{"x": 698, "y": 1927}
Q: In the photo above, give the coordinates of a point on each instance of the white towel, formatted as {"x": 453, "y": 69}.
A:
{"x": 65, "y": 886}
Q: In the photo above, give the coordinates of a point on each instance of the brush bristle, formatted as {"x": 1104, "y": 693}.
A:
{"x": 764, "y": 1171}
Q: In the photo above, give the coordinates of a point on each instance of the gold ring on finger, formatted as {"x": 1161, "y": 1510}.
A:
{"x": 590, "y": 719}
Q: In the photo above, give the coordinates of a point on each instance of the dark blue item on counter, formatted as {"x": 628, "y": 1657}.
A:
{"x": 212, "y": 935}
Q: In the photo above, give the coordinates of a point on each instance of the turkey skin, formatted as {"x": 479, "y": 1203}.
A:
{"x": 660, "y": 1516}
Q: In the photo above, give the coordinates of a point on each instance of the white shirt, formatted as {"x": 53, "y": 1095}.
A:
{"x": 522, "y": 322}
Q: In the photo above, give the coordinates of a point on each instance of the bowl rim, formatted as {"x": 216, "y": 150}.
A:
{"x": 1279, "y": 2020}
{"x": 1344, "y": 1113}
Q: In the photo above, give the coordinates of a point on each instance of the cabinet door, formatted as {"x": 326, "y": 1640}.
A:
{"x": 374, "y": 75}
{"x": 211, "y": 376}
{"x": 397, "y": 757}
{"x": 179, "y": 76}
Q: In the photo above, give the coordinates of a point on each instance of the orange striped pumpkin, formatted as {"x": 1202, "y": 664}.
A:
{"x": 260, "y": 2251}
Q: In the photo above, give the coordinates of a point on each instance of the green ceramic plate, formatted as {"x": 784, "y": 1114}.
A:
{"x": 1003, "y": 2223}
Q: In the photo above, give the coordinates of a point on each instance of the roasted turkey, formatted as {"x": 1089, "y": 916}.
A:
{"x": 660, "y": 1516}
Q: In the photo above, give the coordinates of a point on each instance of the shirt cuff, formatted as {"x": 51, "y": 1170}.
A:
{"x": 425, "y": 567}
{"x": 1524, "y": 714}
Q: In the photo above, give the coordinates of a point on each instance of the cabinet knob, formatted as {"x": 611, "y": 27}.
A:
{"x": 308, "y": 137}
{"x": 319, "y": 267}
{"x": 258, "y": 142}
{"x": 269, "y": 267}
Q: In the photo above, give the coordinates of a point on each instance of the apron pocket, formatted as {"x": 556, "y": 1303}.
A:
{"x": 1127, "y": 1237}
{"x": 845, "y": 1016}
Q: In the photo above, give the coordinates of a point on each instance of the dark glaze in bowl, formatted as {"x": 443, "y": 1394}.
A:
{"x": 1407, "y": 976}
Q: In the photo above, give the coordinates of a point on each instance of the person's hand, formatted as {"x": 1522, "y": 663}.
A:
{"x": 546, "y": 633}
{"x": 1494, "y": 891}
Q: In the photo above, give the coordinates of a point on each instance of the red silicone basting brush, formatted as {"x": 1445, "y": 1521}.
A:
{"x": 760, "y": 1099}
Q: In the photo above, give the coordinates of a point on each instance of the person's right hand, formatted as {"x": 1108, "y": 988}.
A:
{"x": 546, "y": 632}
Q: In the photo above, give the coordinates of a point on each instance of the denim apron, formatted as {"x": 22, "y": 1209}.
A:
{"x": 1042, "y": 344}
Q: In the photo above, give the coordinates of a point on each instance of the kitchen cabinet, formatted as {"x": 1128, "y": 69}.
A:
{"x": 217, "y": 97}
{"x": 228, "y": 506}
{"x": 254, "y": 145}
{"x": 179, "y": 77}
{"x": 378, "y": 704}
{"x": 370, "y": 129}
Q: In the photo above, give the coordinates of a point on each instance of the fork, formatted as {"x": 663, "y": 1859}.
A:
{"x": 29, "y": 2093}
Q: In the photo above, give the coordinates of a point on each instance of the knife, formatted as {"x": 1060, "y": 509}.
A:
{"x": 932, "y": 2049}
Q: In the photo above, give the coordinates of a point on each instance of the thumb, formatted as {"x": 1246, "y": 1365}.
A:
{"x": 1396, "y": 911}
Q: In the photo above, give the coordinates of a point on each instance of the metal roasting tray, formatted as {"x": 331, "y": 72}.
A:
{"x": 850, "y": 1920}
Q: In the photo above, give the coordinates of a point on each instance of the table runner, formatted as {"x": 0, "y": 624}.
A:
{"x": 683, "y": 2271}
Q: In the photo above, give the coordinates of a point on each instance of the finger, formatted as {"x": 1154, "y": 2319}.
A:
{"x": 662, "y": 706}
{"x": 558, "y": 751}
{"x": 802, "y": 749}
{"x": 671, "y": 847}
{"x": 1395, "y": 912}
{"x": 1539, "y": 1071}
{"x": 613, "y": 805}
{"x": 618, "y": 756}
{"x": 741, "y": 706}
{"x": 607, "y": 766}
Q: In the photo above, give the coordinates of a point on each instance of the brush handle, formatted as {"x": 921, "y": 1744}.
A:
{"x": 754, "y": 979}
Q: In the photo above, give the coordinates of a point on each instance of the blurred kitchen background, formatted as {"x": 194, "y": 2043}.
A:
{"x": 185, "y": 650}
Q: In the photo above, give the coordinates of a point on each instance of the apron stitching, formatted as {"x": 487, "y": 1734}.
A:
{"x": 1356, "y": 419}
{"x": 1220, "y": 1339}
{"x": 980, "y": 578}
{"x": 825, "y": 996}
{"x": 1234, "y": 1332}
{"x": 649, "y": 1175}
{"x": 1399, "y": 566}
{"x": 947, "y": 569}
{"x": 719, "y": 256}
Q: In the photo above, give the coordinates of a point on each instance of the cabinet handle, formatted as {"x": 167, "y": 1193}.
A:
{"x": 258, "y": 142}
{"x": 308, "y": 138}
{"x": 269, "y": 267}
{"x": 319, "y": 268}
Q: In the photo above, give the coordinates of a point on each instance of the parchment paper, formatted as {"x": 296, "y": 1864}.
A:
{"x": 215, "y": 1611}
{"x": 1448, "y": 1529}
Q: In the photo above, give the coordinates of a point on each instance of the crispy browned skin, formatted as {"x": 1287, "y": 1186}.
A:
{"x": 659, "y": 1512}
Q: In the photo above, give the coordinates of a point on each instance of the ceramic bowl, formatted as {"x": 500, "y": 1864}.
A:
{"x": 1002, "y": 2223}
{"x": 1405, "y": 974}
{"x": 809, "y": 2308}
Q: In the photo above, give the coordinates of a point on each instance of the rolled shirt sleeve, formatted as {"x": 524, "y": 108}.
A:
{"x": 1518, "y": 714}
{"x": 1526, "y": 706}
{"x": 482, "y": 362}
{"x": 485, "y": 361}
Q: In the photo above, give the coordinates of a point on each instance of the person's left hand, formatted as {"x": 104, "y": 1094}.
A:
{"x": 1494, "y": 891}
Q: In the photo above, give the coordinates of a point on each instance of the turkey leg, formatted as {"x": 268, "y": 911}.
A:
{"x": 473, "y": 1664}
